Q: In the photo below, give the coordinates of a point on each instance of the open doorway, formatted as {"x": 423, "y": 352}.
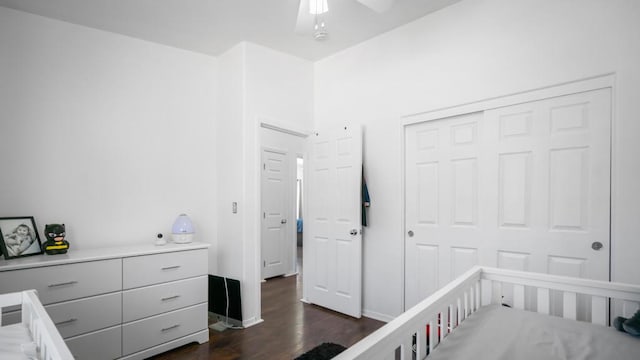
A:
{"x": 287, "y": 152}
{"x": 282, "y": 203}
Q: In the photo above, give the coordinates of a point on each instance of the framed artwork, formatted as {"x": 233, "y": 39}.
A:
{"x": 19, "y": 237}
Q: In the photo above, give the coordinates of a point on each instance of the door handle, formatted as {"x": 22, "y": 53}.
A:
{"x": 596, "y": 245}
{"x": 283, "y": 221}
{"x": 410, "y": 233}
{"x": 353, "y": 232}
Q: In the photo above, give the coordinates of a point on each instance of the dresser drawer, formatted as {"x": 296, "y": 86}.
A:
{"x": 154, "y": 269}
{"x": 65, "y": 282}
{"x": 11, "y": 317}
{"x": 151, "y": 300}
{"x": 149, "y": 332}
{"x": 100, "y": 345}
{"x": 82, "y": 316}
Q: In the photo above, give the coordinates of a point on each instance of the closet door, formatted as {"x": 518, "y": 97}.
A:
{"x": 524, "y": 187}
{"x": 442, "y": 197}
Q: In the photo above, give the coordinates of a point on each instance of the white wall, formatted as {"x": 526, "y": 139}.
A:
{"x": 256, "y": 83}
{"x": 111, "y": 135}
{"x": 472, "y": 51}
{"x": 230, "y": 149}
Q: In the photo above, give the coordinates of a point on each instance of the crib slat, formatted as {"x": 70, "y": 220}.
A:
{"x": 518, "y": 296}
{"x": 432, "y": 336}
{"x": 466, "y": 305}
{"x": 569, "y": 305}
{"x": 543, "y": 301}
{"x": 406, "y": 350}
{"x": 599, "y": 310}
{"x": 456, "y": 320}
{"x": 421, "y": 343}
{"x": 442, "y": 325}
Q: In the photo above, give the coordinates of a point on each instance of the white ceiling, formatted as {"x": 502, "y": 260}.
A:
{"x": 213, "y": 26}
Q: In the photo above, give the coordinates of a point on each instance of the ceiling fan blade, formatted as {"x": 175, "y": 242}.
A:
{"x": 305, "y": 20}
{"x": 378, "y": 6}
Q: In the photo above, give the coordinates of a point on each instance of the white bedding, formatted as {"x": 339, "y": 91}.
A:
{"x": 496, "y": 332}
{"x": 15, "y": 342}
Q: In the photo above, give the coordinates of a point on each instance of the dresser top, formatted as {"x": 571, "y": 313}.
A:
{"x": 82, "y": 255}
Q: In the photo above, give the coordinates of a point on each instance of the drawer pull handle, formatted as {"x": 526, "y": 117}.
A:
{"x": 66, "y": 322}
{"x": 63, "y": 284}
{"x": 171, "y": 267}
{"x": 170, "y": 327}
{"x": 170, "y": 298}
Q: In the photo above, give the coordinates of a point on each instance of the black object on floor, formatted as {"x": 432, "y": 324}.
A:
{"x": 323, "y": 351}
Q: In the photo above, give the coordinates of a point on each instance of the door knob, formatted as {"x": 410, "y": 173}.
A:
{"x": 283, "y": 221}
{"x": 596, "y": 245}
{"x": 410, "y": 233}
{"x": 353, "y": 232}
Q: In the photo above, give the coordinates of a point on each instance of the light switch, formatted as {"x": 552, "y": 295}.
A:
{"x": 234, "y": 207}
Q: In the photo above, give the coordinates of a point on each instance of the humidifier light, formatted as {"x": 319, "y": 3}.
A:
{"x": 182, "y": 230}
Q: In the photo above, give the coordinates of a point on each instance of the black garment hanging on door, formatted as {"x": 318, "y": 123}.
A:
{"x": 366, "y": 200}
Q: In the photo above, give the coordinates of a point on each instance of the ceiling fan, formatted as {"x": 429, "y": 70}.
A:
{"x": 311, "y": 19}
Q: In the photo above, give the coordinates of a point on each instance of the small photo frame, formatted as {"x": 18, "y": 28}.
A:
{"x": 19, "y": 237}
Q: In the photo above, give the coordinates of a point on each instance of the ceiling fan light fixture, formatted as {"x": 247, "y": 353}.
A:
{"x": 317, "y": 7}
{"x": 320, "y": 31}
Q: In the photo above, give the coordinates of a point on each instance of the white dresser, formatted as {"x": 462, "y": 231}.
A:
{"x": 127, "y": 302}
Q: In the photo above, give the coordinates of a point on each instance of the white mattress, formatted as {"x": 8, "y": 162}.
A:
{"x": 496, "y": 332}
{"x": 14, "y": 340}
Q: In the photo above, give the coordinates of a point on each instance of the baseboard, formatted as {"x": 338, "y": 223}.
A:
{"x": 252, "y": 322}
{"x": 222, "y": 318}
{"x": 377, "y": 316}
{"x": 367, "y": 313}
{"x": 200, "y": 337}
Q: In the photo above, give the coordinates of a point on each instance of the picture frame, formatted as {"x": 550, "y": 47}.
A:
{"x": 19, "y": 237}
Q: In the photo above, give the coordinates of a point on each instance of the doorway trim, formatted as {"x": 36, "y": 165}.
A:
{"x": 266, "y": 123}
{"x": 566, "y": 88}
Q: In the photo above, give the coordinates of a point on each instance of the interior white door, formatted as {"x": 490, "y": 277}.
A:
{"x": 524, "y": 187}
{"x": 274, "y": 213}
{"x": 333, "y": 241}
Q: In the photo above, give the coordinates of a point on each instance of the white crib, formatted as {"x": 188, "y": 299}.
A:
{"x": 416, "y": 333}
{"x": 35, "y": 337}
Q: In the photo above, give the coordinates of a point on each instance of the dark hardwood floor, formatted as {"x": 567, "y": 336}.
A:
{"x": 290, "y": 328}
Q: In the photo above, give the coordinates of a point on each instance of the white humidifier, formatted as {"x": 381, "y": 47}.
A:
{"x": 182, "y": 230}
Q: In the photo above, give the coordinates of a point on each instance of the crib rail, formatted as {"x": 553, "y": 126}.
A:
{"x": 48, "y": 344}
{"x": 595, "y": 295}
{"x": 440, "y": 313}
{"x": 418, "y": 331}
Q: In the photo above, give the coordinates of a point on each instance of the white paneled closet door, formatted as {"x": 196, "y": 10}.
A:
{"x": 442, "y": 198}
{"x": 523, "y": 187}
